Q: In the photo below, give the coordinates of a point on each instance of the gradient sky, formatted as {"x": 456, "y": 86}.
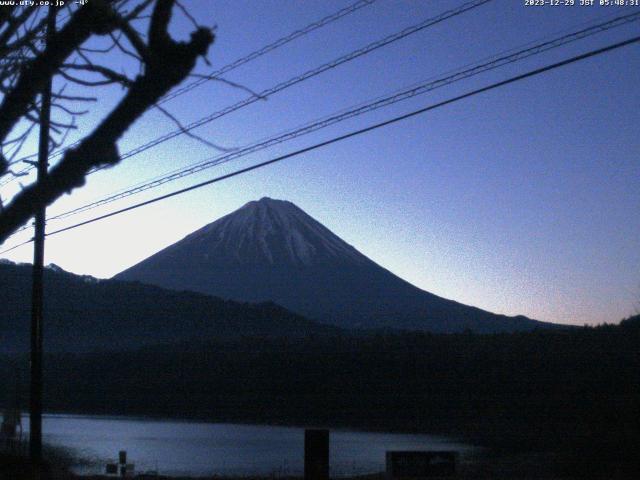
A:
{"x": 523, "y": 200}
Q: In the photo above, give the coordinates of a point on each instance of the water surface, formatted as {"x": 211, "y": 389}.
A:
{"x": 196, "y": 448}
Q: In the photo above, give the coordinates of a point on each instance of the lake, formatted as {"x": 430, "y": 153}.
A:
{"x": 173, "y": 447}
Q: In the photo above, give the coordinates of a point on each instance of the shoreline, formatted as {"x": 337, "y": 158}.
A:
{"x": 451, "y": 438}
{"x": 91, "y": 462}
{"x": 530, "y": 466}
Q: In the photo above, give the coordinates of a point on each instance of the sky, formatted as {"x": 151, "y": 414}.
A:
{"x": 521, "y": 200}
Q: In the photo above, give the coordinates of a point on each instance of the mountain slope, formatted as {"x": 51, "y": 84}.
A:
{"x": 83, "y": 313}
{"x": 270, "y": 250}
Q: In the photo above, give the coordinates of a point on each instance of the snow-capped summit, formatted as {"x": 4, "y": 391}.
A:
{"x": 267, "y": 232}
{"x": 271, "y": 250}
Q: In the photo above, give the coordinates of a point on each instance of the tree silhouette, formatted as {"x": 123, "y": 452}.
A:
{"x": 135, "y": 29}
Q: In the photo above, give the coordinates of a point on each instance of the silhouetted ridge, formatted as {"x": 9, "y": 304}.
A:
{"x": 271, "y": 250}
{"x": 84, "y": 313}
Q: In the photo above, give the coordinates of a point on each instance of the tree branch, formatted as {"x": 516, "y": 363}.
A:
{"x": 169, "y": 63}
{"x": 95, "y": 17}
{"x": 109, "y": 74}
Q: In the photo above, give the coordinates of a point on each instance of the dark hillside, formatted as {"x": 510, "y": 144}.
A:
{"x": 271, "y": 250}
{"x": 83, "y": 313}
{"x": 572, "y": 393}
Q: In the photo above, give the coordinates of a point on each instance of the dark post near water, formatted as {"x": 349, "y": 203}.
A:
{"x": 35, "y": 394}
{"x": 316, "y": 454}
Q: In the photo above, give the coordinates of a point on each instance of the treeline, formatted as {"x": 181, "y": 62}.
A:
{"x": 576, "y": 390}
{"x": 85, "y": 314}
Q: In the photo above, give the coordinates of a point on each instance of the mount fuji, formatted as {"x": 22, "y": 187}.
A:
{"x": 271, "y": 250}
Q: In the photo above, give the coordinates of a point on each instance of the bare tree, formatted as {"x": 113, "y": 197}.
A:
{"x": 77, "y": 53}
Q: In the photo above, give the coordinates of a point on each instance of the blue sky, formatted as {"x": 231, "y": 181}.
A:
{"x": 523, "y": 200}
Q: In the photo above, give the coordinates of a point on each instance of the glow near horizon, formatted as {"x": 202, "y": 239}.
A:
{"x": 519, "y": 201}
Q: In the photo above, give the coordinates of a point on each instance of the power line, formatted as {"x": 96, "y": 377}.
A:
{"x": 363, "y": 108}
{"x": 583, "y": 25}
{"x": 496, "y": 62}
{"x": 233, "y": 65}
{"x": 316, "y": 146}
{"x": 308, "y": 74}
{"x": 16, "y": 246}
{"x": 303, "y": 77}
{"x": 268, "y": 48}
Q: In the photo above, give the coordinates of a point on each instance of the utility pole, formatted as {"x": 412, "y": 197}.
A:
{"x": 35, "y": 397}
